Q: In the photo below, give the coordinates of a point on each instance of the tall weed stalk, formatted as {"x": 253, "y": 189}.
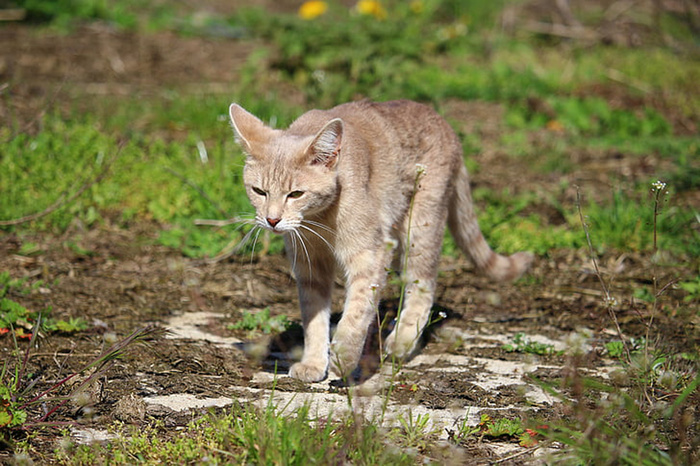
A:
{"x": 635, "y": 417}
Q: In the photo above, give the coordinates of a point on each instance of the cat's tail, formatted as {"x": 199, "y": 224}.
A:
{"x": 466, "y": 233}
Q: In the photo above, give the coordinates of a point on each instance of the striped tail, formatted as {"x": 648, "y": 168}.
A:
{"x": 464, "y": 227}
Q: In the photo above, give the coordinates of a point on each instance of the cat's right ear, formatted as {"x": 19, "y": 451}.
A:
{"x": 247, "y": 128}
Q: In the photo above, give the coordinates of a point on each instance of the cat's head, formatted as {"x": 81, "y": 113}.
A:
{"x": 288, "y": 176}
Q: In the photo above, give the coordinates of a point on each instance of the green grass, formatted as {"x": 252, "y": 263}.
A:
{"x": 20, "y": 321}
{"x": 261, "y": 321}
{"x": 249, "y": 435}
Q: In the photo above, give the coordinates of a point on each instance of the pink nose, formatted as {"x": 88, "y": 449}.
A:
{"x": 273, "y": 221}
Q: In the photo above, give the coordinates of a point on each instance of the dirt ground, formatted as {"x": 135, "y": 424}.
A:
{"x": 129, "y": 281}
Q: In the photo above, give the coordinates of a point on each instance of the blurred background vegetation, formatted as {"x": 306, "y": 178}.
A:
{"x": 601, "y": 95}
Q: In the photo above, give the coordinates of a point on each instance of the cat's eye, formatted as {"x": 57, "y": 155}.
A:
{"x": 259, "y": 191}
{"x": 295, "y": 194}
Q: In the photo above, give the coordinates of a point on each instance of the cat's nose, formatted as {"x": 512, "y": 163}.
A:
{"x": 273, "y": 221}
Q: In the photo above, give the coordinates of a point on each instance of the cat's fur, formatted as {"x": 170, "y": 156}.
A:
{"x": 338, "y": 185}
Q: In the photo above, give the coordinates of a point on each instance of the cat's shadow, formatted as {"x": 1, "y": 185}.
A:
{"x": 284, "y": 347}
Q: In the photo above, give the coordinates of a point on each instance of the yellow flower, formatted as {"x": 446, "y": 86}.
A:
{"x": 371, "y": 7}
{"x": 312, "y": 9}
{"x": 417, "y": 7}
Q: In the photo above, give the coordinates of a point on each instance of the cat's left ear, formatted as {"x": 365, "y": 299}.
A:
{"x": 325, "y": 148}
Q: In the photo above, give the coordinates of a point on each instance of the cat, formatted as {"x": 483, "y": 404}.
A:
{"x": 341, "y": 186}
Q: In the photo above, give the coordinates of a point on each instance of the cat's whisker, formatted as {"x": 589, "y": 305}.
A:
{"x": 255, "y": 241}
{"x": 330, "y": 246}
{"x": 320, "y": 225}
{"x": 293, "y": 242}
{"x": 300, "y": 236}
{"x": 231, "y": 249}
{"x": 222, "y": 223}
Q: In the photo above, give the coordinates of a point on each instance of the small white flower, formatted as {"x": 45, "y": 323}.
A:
{"x": 658, "y": 185}
{"x": 319, "y": 76}
{"x": 610, "y": 301}
{"x": 442, "y": 314}
{"x": 374, "y": 287}
{"x": 421, "y": 169}
{"x": 390, "y": 243}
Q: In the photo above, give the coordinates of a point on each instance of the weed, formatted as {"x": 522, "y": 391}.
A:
{"x": 261, "y": 321}
{"x": 497, "y": 429}
{"x": 589, "y": 117}
{"x": 414, "y": 432}
{"x": 250, "y": 435}
{"x": 72, "y": 325}
{"x": 19, "y": 320}
{"x": 20, "y": 397}
{"x": 68, "y": 14}
{"x": 522, "y": 344}
{"x": 615, "y": 349}
{"x": 643, "y": 417}
{"x": 692, "y": 288}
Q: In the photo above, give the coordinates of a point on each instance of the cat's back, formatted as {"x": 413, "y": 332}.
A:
{"x": 396, "y": 115}
{"x": 397, "y": 123}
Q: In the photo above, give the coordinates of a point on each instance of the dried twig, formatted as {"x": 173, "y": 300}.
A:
{"x": 622, "y": 78}
{"x": 560, "y": 30}
{"x": 219, "y": 223}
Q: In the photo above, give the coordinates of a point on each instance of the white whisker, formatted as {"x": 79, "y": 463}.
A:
{"x": 330, "y": 246}
{"x": 293, "y": 242}
{"x": 255, "y": 241}
{"x": 320, "y": 225}
{"x": 306, "y": 251}
{"x": 231, "y": 249}
{"x": 220, "y": 223}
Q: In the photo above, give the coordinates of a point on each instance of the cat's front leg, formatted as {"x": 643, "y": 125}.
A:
{"x": 366, "y": 278}
{"x": 315, "y": 301}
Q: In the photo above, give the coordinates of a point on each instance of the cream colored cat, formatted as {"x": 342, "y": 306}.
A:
{"x": 338, "y": 185}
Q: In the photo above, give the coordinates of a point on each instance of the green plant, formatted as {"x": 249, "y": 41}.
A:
{"x": 692, "y": 288}
{"x": 246, "y": 434}
{"x": 66, "y": 14}
{"x": 414, "y": 432}
{"x": 72, "y": 325}
{"x": 615, "y": 349}
{"x": 500, "y": 428}
{"x": 261, "y": 321}
{"x": 641, "y": 415}
{"x": 522, "y": 344}
{"x": 588, "y": 116}
{"x": 19, "y": 320}
{"x": 623, "y": 221}
{"x": 376, "y": 57}
{"x": 610, "y": 425}
{"x": 20, "y": 398}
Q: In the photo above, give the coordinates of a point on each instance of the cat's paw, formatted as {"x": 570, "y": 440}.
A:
{"x": 308, "y": 372}
{"x": 344, "y": 360}
{"x": 401, "y": 346}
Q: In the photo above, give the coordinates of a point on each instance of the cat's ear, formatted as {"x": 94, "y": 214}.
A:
{"x": 246, "y": 127}
{"x": 325, "y": 148}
